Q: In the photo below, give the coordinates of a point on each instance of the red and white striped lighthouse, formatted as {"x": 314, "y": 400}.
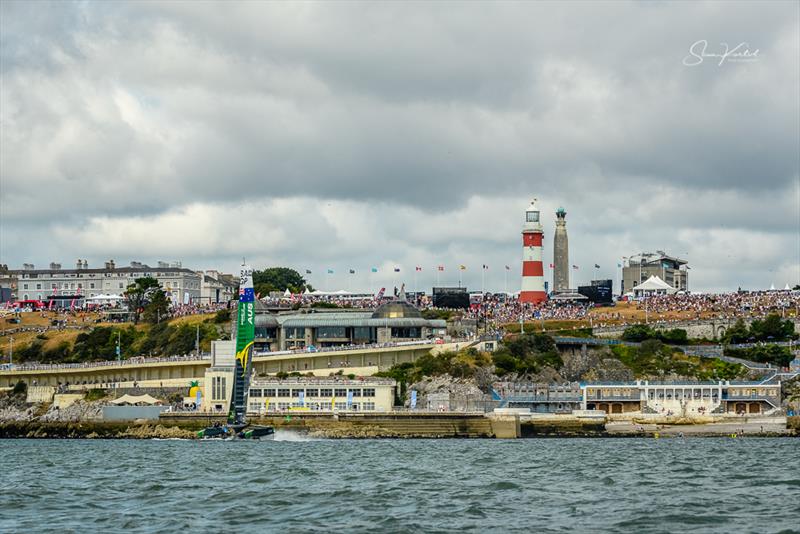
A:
{"x": 532, "y": 268}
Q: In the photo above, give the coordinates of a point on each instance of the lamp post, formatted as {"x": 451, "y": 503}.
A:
{"x": 11, "y": 351}
{"x": 119, "y": 342}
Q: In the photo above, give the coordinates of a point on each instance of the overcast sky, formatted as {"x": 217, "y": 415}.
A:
{"x": 357, "y": 135}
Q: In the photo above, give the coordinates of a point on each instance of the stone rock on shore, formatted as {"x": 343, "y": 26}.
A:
{"x": 343, "y": 431}
{"x": 79, "y": 411}
{"x": 463, "y": 388}
{"x": 157, "y": 431}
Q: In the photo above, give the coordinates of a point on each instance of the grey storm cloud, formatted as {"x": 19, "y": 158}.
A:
{"x": 412, "y": 117}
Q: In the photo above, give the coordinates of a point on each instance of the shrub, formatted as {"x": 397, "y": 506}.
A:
{"x": 774, "y": 354}
{"x": 95, "y": 394}
{"x": 222, "y": 316}
{"x": 676, "y": 336}
{"x": 20, "y": 388}
{"x": 638, "y": 333}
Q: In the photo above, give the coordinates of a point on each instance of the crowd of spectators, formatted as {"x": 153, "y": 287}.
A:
{"x": 723, "y": 305}
{"x": 502, "y": 309}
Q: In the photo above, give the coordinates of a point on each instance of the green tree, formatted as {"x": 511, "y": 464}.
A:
{"x": 738, "y": 333}
{"x": 772, "y": 328}
{"x": 157, "y": 309}
{"x": 137, "y": 295}
{"x": 774, "y": 354}
{"x": 278, "y": 279}
{"x": 638, "y": 333}
{"x": 676, "y": 336}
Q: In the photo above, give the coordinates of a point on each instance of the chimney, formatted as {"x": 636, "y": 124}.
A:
{"x": 110, "y": 265}
{"x": 54, "y": 266}
{"x": 136, "y": 264}
{"x": 28, "y": 266}
{"x": 85, "y": 264}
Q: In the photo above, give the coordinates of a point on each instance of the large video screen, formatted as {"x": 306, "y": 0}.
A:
{"x": 451, "y": 297}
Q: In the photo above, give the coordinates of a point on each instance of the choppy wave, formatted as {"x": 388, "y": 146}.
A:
{"x": 549, "y": 485}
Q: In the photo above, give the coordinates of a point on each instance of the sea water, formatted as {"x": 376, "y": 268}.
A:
{"x": 294, "y": 484}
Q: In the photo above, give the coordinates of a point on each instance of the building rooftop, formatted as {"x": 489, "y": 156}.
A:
{"x": 396, "y": 309}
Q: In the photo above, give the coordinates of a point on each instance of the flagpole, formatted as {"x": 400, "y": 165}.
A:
{"x": 505, "y": 281}
{"x": 483, "y": 277}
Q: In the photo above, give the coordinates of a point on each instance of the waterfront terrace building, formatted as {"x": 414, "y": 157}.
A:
{"x": 639, "y": 268}
{"x": 683, "y": 399}
{"x": 182, "y": 285}
{"x": 391, "y": 322}
{"x": 306, "y": 394}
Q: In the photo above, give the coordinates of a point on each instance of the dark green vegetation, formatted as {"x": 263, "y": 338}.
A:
{"x": 642, "y": 332}
{"x": 20, "y": 388}
{"x": 437, "y": 314}
{"x": 324, "y": 305}
{"x": 526, "y": 354}
{"x": 654, "y": 359}
{"x": 95, "y": 394}
{"x": 462, "y": 364}
{"x": 774, "y": 354}
{"x": 222, "y": 317}
{"x": 771, "y": 328}
{"x": 279, "y": 279}
{"x": 100, "y": 343}
{"x": 141, "y": 294}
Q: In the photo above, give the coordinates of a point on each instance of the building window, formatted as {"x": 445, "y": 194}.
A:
{"x": 356, "y": 392}
{"x": 38, "y": 286}
{"x": 328, "y": 332}
{"x": 269, "y": 392}
{"x": 368, "y": 406}
{"x": 406, "y": 332}
{"x": 340, "y": 392}
{"x": 25, "y": 286}
{"x": 255, "y": 393}
{"x": 312, "y": 393}
{"x": 218, "y": 384}
{"x": 91, "y": 285}
{"x": 296, "y": 392}
{"x": 283, "y": 393}
{"x": 326, "y": 393}
{"x": 295, "y": 332}
{"x": 369, "y": 392}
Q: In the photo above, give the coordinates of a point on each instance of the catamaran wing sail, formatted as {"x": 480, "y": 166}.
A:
{"x": 245, "y": 335}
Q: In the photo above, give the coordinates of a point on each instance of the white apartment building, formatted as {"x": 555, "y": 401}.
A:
{"x": 183, "y": 286}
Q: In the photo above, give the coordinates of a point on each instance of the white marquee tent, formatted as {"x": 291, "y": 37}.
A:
{"x": 653, "y": 286}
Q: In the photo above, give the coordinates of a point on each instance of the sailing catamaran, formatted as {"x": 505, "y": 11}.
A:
{"x": 245, "y": 335}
